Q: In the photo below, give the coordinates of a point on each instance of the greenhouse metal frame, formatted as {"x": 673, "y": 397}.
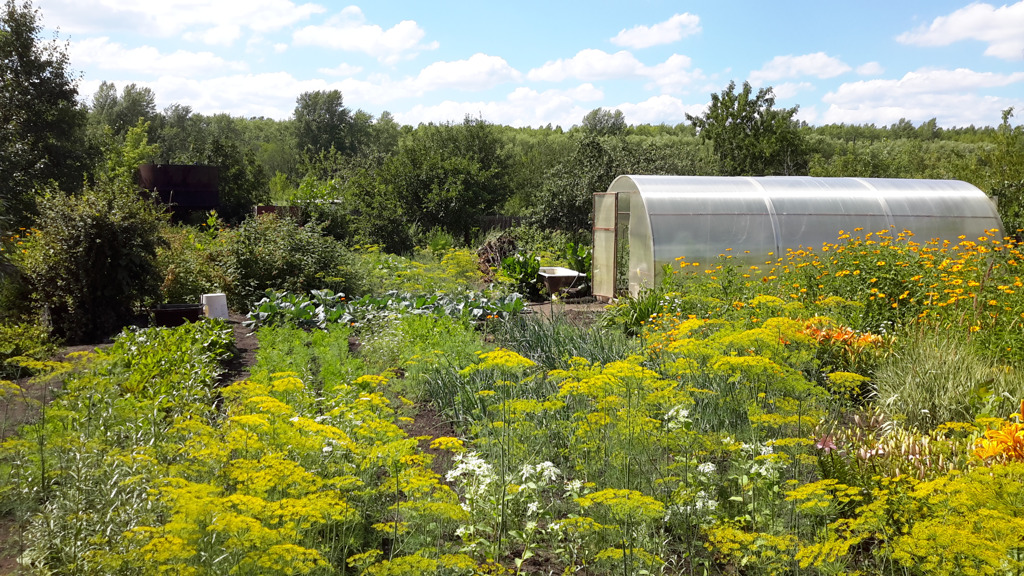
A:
{"x": 642, "y": 223}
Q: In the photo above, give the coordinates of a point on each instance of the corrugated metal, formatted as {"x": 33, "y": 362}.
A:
{"x": 699, "y": 217}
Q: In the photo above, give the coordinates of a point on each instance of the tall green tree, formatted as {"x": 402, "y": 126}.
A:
{"x": 42, "y": 125}
{"x": 322, "y": 122}
{"x": 449, "y": 175}
{"x": 1006, "y": 166}
{"x": 566, "y": 200}
{"x": 749, "y": 136}
{"x": 219, "y": 140}
{"x": 122, "y": 112}
{"x": 604, "y": 122}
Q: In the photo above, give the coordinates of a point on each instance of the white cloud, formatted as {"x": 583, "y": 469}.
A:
{"x": 223, "y": 35}
{"x": 206, "y": 20}
{"x": 522, "y": 107}
{"x": 280, "y": 48}
{"x": 271, "y": 95}
{"x": 818, "y": 64}
{"x": 107, "y": 55}
{"x": 791, "y": 89}
{"x": 342, "y": 69}
{"x": 479, "y": 72}
{"x": 528, "y": 107}
{"x": 349, "y": 31}
{"x": 588, "y": 65}
{"x": 674, "y": 74}
{"x": 591, "y": 65}
{"x": 1001, "y": 28}
{"x": 661, "y": 109}
{"x": 870, "y": 69}
{"x": 947, "y": 95}
{"x": 672, "y": 30}
{"x": 807, "y": 114}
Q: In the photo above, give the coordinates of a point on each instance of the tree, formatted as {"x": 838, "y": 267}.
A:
{"x": 42, "y": 126}
{"x": 750, "y": 137}
{"x": 123, "y": 112}
{"x": 1006, "y": 165}
{"x": 566, "y": 200}
{"x": 218, "y": 140}
{"x": 604, "y": 122}
{"x": 450, "y": 175}
{"x": 322, "y": 122}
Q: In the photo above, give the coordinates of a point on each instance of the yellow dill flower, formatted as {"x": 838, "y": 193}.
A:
{"x": 499, "y": 359}
{"x": 448, "y": 443}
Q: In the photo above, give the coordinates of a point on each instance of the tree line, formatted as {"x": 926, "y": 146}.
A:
{"x": 373, "y": 180}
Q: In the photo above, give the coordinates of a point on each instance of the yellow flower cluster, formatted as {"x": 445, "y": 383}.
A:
{"x": 500, "y": 359}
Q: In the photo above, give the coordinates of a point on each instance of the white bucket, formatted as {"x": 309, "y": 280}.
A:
{"x": 216, "y": 305}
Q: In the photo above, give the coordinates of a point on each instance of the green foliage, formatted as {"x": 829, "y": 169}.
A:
{"x": 416, "y": 344}
{"x": 448, "y": 176}
{"x": 218, "y": 140}
{"x": 42, "y": 125}
{"x": 92, "y": 262}
{"x": 120, "y": 113}
{"x": 425, "y": 272}
{"x": 631, "y": 313}
{"x": 23, "y": 341}
{"x": 603, "y": 122}
{"x": 191, "y": 261}
{"x": 322, "y": 122}
{"x": 318, "y": 357}
{"x": 77, "y": 480}
{"x": 1006, "y": 162}
{"x": 324, "y": 308}
{"x": 123, "y": 156}
{"x": 522, "y": 270}
{"x": 140, "y": 359}
{"x": 553, "y": 342}
{"x": 242, "y": 183}
{"x": 580, "y": 257}
{"x": 750, "y": 137}
{"x": 566, "y": 200}
{"x": 270, "y": 253}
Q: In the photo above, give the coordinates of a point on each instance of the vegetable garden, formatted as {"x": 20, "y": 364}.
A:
{"x": 850, "y": 409}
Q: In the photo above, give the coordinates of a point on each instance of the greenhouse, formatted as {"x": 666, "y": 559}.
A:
{"x": 643, "y": 223}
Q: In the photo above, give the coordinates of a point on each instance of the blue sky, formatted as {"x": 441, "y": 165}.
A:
{"x": 533, "y": 63}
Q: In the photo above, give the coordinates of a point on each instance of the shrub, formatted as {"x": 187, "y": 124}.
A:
{"x": 522, "y": 271}
{"x": 192, "y": 262}
{"x": 267, "y": 252}
{"x": 92, "y": 262}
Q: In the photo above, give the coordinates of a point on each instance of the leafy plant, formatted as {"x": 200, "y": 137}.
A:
{"x": 580, "y": 258}
{"x": 267, "y": 252}
{"x": 324, "y": 308}
{"x": 92, "y": 262}
{"x": 522, "y": 270}
{"x": 192, "y": 262}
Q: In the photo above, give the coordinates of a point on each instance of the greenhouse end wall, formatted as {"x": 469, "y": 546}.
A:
{"x": 659, "y": 219}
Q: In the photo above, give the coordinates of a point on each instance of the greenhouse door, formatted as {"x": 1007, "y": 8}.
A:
{"x": 605, "y": 226}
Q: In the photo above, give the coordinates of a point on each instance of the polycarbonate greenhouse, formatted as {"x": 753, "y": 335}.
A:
{"x": 643, "y": 223}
